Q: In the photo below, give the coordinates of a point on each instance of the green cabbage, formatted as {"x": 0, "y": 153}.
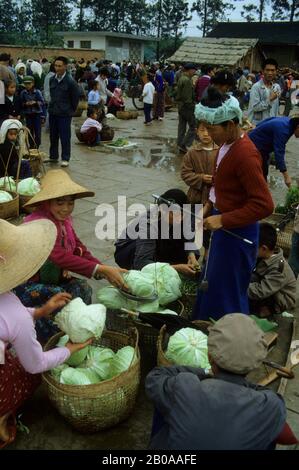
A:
{"x": 79, "y": 376}
{"x": 28, "y": 187}
{"x": 8, "y": 183}
{"x": 122, "y": 360}
{"x": 56, "y": 372}
{"x": 111, "y": 298}
{"x": 81, "y": 322}
{"x": 99, "y": 360}
{"x": 166, "y": 281}
{"x": 188, "y": 347}
{"x": 139, "y": 284}
{"x": 77, "y": 357}
{"x": 5, "y": 197}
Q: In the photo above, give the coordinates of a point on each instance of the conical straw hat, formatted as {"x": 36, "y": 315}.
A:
{"x": 23, "y": 250}
{"x": 58, "y": 183}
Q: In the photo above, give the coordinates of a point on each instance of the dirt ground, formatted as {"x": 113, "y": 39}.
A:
{"x": 151, "y": 167}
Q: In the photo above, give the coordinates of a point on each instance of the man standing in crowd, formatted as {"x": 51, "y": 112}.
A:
{"x": 185, "y": 98}
{"x": 64, "y": 93}
{"x": 208, "y": 71}
{"x": 264, "y": 95}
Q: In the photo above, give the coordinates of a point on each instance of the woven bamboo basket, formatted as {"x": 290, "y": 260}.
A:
{"x": 36, "y": 158}
{"x": 10, "y": 209}
{"x": 119, "y": 321}
{"x": 23, "y": 199}
{"x": 92, "y": 408}
{"x": 83, "y": 105}
{"x": 163, "y": 339}
{"x": 284, "y": 237}
{"x": 127, "y": 114}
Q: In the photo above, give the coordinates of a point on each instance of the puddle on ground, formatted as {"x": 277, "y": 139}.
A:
{"x": 158, "y": 156}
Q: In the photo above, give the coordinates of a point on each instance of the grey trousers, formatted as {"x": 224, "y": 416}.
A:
{"x": 186, "y": 116}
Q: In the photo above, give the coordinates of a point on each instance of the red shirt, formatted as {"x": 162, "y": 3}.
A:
{"x": 242, "y": 194}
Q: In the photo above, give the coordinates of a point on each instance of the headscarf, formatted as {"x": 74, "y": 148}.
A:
{"x": 229, "y": 110}
{"x": 9, "y": 124}
{"x": 19, "y": 66}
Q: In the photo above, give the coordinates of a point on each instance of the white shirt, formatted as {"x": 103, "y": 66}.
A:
{"x": 148, "y": 93}
{"x": 60, "y": 78}
{"x": 90, "y": 123}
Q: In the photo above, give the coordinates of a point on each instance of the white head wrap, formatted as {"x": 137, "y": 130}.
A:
{"x": 229, "y": 110}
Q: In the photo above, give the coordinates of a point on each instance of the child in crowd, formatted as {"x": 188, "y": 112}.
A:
{"x": 197, "y": 169}
{"x": 11, "y": 109}
{"x": 94, "y": 97}
{"x": 91, "y": 128}
{"x": 56, "y": 202}
{"x": 33, "y": 107}
{"x": 116, "y": 102}
{"x": 12, "y": 138}
{"x": 148, "y": 99}
{"x": 273, "y": 285}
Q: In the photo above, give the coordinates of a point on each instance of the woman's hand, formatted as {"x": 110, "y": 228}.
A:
{"x": 208, "y": 179}
{"x": 207, "y": 208}
{"x": 54, "y": 303}
{"x": 74, "y": 347}
{"x": 214, "y": 222}
{"x": 184, "y": 269}
{"x": 192, "y": 261}
{"x": 113, "y": 275}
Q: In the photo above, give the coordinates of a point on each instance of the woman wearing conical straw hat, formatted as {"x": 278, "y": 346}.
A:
{"x": 56, "y": 202}
{"x": 23, "y": 250}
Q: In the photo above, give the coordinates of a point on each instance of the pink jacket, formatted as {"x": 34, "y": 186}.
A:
{"x": 68, "y": 253}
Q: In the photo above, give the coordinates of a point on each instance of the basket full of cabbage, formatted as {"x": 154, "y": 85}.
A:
{"x": 155, "y": 278}
{"x": 9, "y": 204}
{"x": 26, "y": 189}
{"x": 96, "y": 388}
{"x": 186, "y": 347}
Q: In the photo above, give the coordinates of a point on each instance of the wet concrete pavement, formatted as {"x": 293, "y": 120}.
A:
{"x": 151, "y": 167}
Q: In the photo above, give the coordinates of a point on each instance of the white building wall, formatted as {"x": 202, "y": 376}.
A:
{"x": 98, "y": 42}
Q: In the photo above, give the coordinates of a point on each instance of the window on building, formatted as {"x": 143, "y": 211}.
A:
{"x": 85, "y": 44}
{"x": 115, "y": 42}
{"x": 70, "y": 44}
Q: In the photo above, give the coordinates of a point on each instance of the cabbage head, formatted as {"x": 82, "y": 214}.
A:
{"x": 188, "y": 347}
{"x": 139, "y": 284}
{"x": 77, "y": 357}
{"x": 8, "y": 183}
{"x": 81, "y": 322}
{"x": 166, "y": 280}
{"x": 71, "y": 376}
{"x": 99, "y": 360}
{"x": 28, "y": 187}
{"x": 122, "y": 360}
{"x": 5, "y": 197}
{"x": 112, "y": 299}
{"x": 56, "y": 372}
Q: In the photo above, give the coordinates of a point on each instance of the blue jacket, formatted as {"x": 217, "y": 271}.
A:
{"x": 33, "y": 95}
{"x": 64, "y": 96}
{"x": 221, "y": 413}
{"x": 272, "y": 135}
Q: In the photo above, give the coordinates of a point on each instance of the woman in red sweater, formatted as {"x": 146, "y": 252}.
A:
{"x": 238, "y": 199}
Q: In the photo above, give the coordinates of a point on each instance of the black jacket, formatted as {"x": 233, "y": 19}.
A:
{"x": 10, "y": 108}
{"x": 64, "y": 96}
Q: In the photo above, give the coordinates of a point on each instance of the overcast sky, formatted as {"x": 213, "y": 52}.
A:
{"x": 234, "y": 16}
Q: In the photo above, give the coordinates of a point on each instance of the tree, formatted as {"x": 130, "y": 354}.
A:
{"x": 255, "y": 12}
{"x": 49, "y": 16}
{"x": 8, "y": 16}
{"x": 81, "y": 23}
{"x": 210, "y": 12}
{"x": 285, "y": 10}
